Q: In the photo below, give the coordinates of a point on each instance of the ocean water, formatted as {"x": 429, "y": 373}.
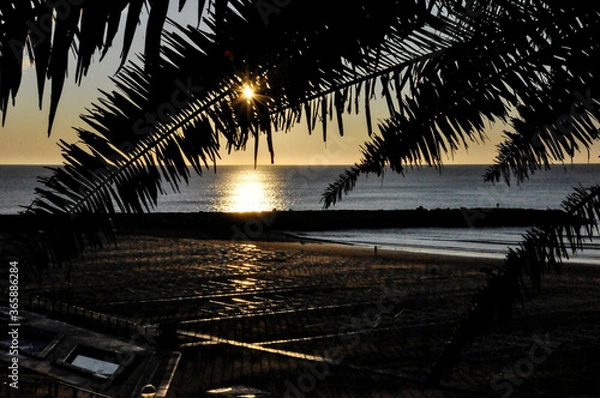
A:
{"x": 237, "y": 188}
{"x": 492, "y": 243}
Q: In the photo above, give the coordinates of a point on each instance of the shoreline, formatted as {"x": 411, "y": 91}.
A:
{"x": 400, "y": 254}
{"x": 352, "y": 250}
{"x": 288, "y": 226}
{"x": 582, "y": 259}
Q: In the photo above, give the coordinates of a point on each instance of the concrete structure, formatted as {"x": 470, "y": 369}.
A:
{"x": 55, "y": 358}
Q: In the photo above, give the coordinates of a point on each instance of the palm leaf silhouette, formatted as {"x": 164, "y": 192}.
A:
{"x": 545, "y": 70}
{"x": 143, "y": 135}
{"x": 445, "y": 71}
{"x": 48, "y": 30}
{"x": 543, "y": 67}
{"x": 541, "y": 250}
{"x": 163, "y": 118}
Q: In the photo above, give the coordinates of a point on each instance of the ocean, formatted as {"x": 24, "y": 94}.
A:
{"x": 240, "y": 189}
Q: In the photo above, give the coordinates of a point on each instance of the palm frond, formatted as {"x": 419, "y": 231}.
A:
{"x": 453, "y": 99}
{"x": 142, "y": 136}
{"x": 125, "y": 145}
{"x": 542, "y": 249}
{"x": 562, "y": 121}
{"x": 440, "y": 68}
{"x": 562, "y": 118}
{"x": 49, "y": 30}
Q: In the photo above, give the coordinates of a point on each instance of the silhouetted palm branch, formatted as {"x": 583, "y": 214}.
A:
{"x": 161, "y": 119}
{"x": 48, "y": 30}
{"x": 127, "y": 149}
{"x": 544, "y": 67}
{"x": 445, "y": 72}
{"x": 542, "y": 248}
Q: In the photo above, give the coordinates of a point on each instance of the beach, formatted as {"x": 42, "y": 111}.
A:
{"x": 299, "y": 319}
{"x": 277, "y": 199}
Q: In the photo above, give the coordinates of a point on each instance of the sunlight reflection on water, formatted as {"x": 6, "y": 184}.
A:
{"x": 250, "y": 190}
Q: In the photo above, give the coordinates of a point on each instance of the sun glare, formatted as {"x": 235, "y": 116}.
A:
{"x": 248, "y": 92}
{"x": 249, "y": 193}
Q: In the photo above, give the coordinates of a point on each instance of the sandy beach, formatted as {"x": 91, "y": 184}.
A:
{"x": 310, "y": 319}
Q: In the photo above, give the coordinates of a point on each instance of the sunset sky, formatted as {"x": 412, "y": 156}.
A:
{"x": 23, "y": 139}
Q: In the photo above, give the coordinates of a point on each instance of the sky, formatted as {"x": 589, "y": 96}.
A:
{"x": 23, "y": 139}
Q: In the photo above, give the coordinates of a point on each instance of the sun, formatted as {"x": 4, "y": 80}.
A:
{"x": 248, "y": 92}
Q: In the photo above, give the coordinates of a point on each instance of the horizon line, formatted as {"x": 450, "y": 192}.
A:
{"x": 251, "y": 165}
